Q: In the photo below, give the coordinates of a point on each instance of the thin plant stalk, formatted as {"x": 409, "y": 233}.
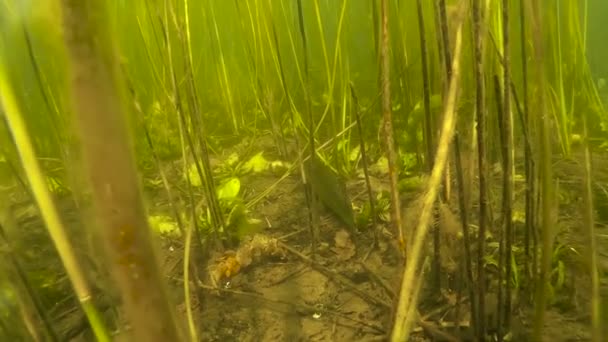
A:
{"x": 47, "y": 95}
{"x": 426, "y": 88}
{"x": 189, "y": 312}
{"x": 277, "y": 127}
{"x": 412, "y": 313}
{"x": 480, "y": 110}
{"x": 528, "y": 160}
{"x": 502, "y": 261}
{"x": 596, "y": 323}
{"x": 187, "y": 233}
{"x": 410, "y": 275}
{"x": 389, "y": 140}
{"x": 47, "y": 207}
{"x": 444, "y": 45}
{"x": 310, "y": 191}
{"x": 222, "y": 71}
{"x": 370, "y": 194}
{"x": 189, "y": 265}
{"x": 507, "y": 163}
{"x": 466, "y": 235}
{"x": 564, "y": 118}
{"x": 201, "y": 163}
{"x": 545, "y": 170}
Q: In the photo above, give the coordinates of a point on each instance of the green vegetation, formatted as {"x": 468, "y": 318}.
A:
{"x": 167, "y": 166}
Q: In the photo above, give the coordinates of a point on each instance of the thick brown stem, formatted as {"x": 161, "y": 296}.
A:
{"x": 481, "y": 160}
{"x": 388, "y": 126}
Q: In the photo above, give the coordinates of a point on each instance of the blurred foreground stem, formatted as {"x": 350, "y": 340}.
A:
{"x": 100, "y": 117}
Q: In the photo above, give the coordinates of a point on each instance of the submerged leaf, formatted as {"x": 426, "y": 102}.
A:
{"x": 257, "y": 164}
{"x": 381, "y": 166}
{"x": 164, "y": 225}
{"x": 331, "y": 190}
{"x": 229, "y": 190}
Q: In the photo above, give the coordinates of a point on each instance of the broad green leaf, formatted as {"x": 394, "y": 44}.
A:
{"x": 381, "y": 166}
{"x": 164, "y": 225}
{"x": 229, "y": 190}
{"x": 257, "y": 164}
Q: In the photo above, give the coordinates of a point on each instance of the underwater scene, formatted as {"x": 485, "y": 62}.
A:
{"x": 303, "y": 170}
